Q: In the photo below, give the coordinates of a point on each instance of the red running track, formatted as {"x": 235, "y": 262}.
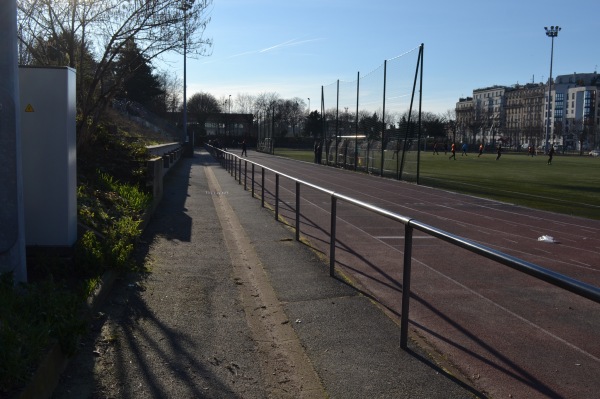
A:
{"x": 509, "y": 334}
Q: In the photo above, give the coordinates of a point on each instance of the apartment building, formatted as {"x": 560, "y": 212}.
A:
{"x": 517, "y": 115}
{"x": 575, "y": 111}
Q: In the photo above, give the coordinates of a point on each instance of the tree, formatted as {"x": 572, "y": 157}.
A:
{"x": 433, "y": 125}
{"x": 370, "y": 125}
{"x": 314, "y": 125}
{"x": 171, "y": 86}
{"x": 203, "y": 104}
{"x": 106, "y": 27}
{"x": 296, "y": 113}
{"x": 139, "y": 82}
{"x": 244, "y": 103}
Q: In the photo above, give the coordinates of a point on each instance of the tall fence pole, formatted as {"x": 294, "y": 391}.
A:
{"x": 337, "y": 120}
{"x": 356, "y": 125}
{"x": 422, "y": 50}
{"x": 323, "y": 130}
{"x": 412, "y": 98}
{"x": 383, "y": 119}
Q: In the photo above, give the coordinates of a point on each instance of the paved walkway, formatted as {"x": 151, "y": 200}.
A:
{"x": 235, "y": 307}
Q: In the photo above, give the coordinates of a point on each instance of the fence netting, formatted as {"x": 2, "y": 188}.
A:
{"x": 372, "y": 123}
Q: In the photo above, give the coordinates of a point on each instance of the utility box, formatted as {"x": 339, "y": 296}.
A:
{"x": 49, "y": 155}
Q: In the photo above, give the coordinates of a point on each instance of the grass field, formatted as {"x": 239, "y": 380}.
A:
{"x": 571, "y": 185}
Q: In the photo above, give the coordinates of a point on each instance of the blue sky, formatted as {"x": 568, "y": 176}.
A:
{"x": 295, "y": 47}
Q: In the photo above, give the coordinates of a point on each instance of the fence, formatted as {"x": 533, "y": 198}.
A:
{"x": 369, "y": 123}
{"x": 233, "y": 164}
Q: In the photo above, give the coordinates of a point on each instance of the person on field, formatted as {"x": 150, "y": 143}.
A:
{"x": 499, "y": 152}
{"x": 453, "y": 151}
{"x": 480, "y": 150}
{"x": 465, "y": 147}
{"x": 435, "y": 151}
{"x": 550, "y": 154}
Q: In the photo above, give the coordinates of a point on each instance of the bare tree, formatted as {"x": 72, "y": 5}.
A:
{"x": 244, "y": 103}
{"x": 172, "y": 86}
{"x": 59, "y": 32}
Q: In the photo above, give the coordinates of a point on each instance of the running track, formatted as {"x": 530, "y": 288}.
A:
{"x": 509, "y": 334}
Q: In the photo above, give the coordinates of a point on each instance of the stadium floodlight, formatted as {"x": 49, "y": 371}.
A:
{"x": 551, "y": 32}
{"x": 185, "y": 6}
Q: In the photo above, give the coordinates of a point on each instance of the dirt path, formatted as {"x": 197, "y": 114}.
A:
{"x": 286, "y": 369}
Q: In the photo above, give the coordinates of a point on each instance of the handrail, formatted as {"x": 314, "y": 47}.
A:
{"x": 557, "y": 279}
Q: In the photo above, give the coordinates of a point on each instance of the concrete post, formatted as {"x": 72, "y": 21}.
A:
{"x": 12, "y": 233}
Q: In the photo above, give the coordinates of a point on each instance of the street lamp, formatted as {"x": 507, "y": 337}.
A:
{"x": 185, "y": 6}
{"x": 551, "y": 32}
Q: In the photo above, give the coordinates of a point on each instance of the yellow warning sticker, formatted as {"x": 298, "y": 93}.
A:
{"x": 29, "y": 108}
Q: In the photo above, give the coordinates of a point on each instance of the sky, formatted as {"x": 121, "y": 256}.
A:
{"x": 293, "y": 48}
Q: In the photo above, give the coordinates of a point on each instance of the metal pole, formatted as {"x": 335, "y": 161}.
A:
{"x": 356, "y": 126}
{"x": 185, "y": 7}
{"x": 297, "y": 211}
{"x": 245, "y": 175}
{"x": 552, "y": 33}
{"x": 337, "y": 119}
{"x": 262, "y": 188}
{"x": 276, "y": 196}
{"x": 252, "y": 180}
{"x": 408, "y": 232}
{"x": 412, "y": 98}
{"x": 383, "y": 119}
{"x": 420, "y": 104}
{"x": 332, "y": 238}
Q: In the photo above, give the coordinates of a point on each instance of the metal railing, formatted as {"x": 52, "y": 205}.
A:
{"x": 233, "y": 164}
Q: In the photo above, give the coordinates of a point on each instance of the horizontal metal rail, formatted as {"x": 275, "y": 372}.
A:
{"x": 557, "y": 279}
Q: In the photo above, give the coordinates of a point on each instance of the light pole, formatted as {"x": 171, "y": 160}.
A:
{"x": 185, "y": 6}
{"x": 551, "y": 32}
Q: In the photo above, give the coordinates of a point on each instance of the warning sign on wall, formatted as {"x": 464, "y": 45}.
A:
{"x": 29, "y": 108}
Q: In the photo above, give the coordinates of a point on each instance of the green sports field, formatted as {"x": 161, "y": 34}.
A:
{"x": 571, "y": 185}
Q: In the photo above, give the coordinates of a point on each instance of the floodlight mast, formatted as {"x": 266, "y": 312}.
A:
{"x": 551, "y": 32}
{"x": 185, "y": 6}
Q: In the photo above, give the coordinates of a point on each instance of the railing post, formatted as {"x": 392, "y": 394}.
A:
{"x": 252, "y": 180}
{"x": 297, "y": 211}
{"x": 276, "y": 196}
{"x": 408, "y": 232}
{"x": 240, "y": 172}
{"x": 262, "y": 188}
{"x": 235, "y": 167}
{"x": 245, "y": 175}
{"x": 332, "y": 236}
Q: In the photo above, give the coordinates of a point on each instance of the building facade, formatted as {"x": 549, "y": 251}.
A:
{"x": 517, "y": 116}
{"x": 575, "y": 111}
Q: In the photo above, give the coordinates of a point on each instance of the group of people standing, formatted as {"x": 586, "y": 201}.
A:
{"x": 465, "y": 148}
